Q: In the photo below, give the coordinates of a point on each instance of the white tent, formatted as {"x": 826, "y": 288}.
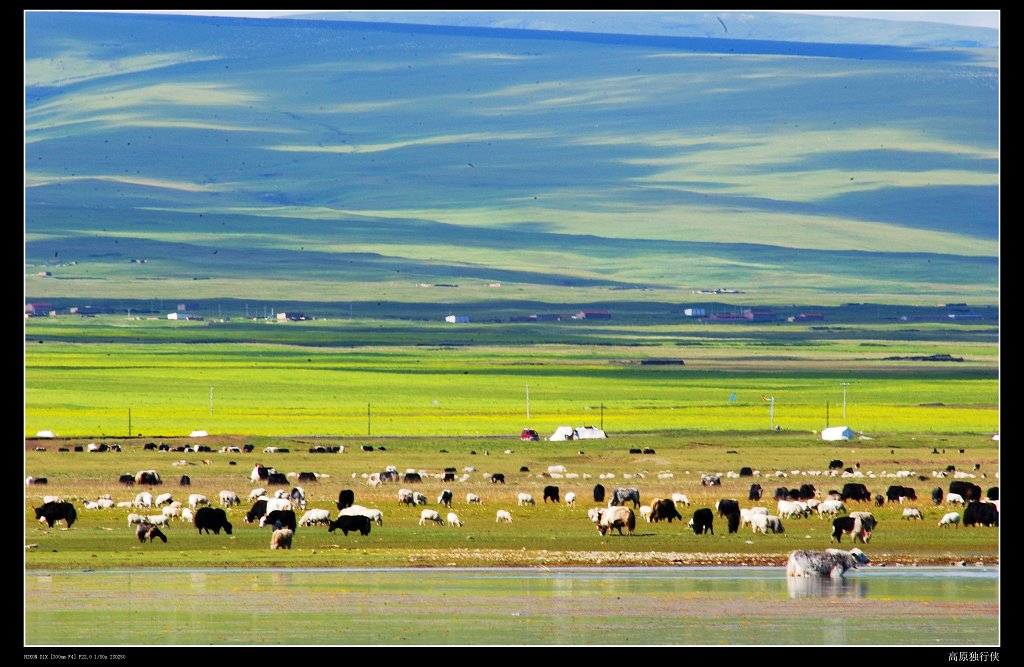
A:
{"x": 198, "y": 434}
{"x": 589, "y": 432}
{"x": 837, "y": 433}
{"x": 45, "y": 434}
{"x": 562, "y": 433}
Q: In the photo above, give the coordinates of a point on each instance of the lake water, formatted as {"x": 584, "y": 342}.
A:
{"x": 912, "y": 606}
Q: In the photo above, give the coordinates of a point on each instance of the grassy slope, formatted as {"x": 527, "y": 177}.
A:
{"x": 343, "y": 160}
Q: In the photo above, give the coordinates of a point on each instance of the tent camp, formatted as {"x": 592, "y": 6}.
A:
{"x": 589, "y": 432}
{"x": 562, "y": 433}
{"x": 837, "y": 433}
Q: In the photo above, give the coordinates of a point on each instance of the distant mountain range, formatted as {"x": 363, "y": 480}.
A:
{"x": 563, "y": 157}
{"x": 726, "y": 24}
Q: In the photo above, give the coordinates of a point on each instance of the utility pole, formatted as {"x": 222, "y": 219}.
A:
{"x": 129, "y": 422}
{"x": 211, "y": 400}
{"x": 367, "y": 420}
{"x": 771, "y": 410}
{"x": 527, "y": 403}
{"x": 602, "y": 416}
{"x": 844, "y": 399}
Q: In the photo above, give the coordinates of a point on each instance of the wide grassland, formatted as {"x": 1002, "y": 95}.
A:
{"x": 543, "y": 534}
{"x": 101, "y": 378}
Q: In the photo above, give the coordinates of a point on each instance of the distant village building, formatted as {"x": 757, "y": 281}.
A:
{"x": 694, "y": 312}
{"x": 746, "y": 315}
{"x": 183, "y": 316}
{"x": 755, "y": 315}
{"x": 592, "y": 315}
{"x": 291, "y": 317}
{"x": 39, "y": 310}
{"x": 460, "y": 319}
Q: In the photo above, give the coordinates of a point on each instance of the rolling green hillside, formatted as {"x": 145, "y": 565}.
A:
{"x": 340, "y": 161}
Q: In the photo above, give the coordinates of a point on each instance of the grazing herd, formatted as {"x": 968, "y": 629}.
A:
{"x": 618, "y": 516}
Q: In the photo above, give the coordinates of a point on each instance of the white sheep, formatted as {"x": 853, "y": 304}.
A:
{"x": 316, "y": 516}
{"x": 197, "y": 499}
{"x": 473, "y": 498}
{"x": 570, "y": 499}
{"x": 229, "y": 499}
{"x": 123, "y": 503}
{"x": 950, "y": 519}
{"x": 159, "y": 520}
{"x": 405, "y": 497}
{"x": 187, "y": 515}
{"x": 431, "y": 516}
{"x": 454, "y": 520}
{"x": 418, "y": 498}
{"x": 789, "y": 508}
{"x": 645, "y": 513}
{"x": 831, "y": 507}
{"x": 172, "y": 511}
{"x": 680, "y": 499}
{"x": 282, "y": 538}
{"x": 278, "y": 504}
{"x": 144, "y": 499}
{"x": 256, "y": 493}
{"x": 163, "y": 499}
{"x": 503, "y": 516}
{"x": 374, "y": 515}
{"x": 912, "y": 513}
{"x": 765, "y": 523}
{"x": 955, "y": 499}
{"x": 526, "y": 499}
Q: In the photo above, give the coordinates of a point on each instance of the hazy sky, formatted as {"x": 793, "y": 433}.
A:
{"x": 981, "y": 18}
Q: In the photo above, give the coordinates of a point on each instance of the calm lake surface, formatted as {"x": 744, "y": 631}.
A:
{"x": 912, "y": 606}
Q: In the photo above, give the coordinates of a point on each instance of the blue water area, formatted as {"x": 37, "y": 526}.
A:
{"x": 518, "y": 606}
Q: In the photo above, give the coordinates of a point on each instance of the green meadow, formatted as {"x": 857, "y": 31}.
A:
{"x": 83, "y": 376}
{"x": 545, "y": 533}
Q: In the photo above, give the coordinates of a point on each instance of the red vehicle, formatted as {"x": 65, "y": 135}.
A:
{"x": 529, "y": 434}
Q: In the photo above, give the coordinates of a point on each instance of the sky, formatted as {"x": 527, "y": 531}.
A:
{"x": 974, "y": 18}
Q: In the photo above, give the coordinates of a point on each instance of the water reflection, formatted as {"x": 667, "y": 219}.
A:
{"x": 826, "y": 587}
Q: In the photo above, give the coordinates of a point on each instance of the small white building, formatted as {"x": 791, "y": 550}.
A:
{"x": 589, "y": 433}
{"x": 452, "y": 319}
{"x": 837, "y": 433}
{"x": 694, "y": 312}
{"x": 563, "y": 433}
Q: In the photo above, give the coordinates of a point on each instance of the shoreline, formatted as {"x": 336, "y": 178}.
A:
{"x": 474, "y": 558}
